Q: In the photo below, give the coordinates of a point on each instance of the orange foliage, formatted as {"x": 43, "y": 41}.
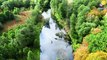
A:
{"x": 82, "y": 52}
{"x": 103, "y": 12}
{"x": 96, "y": 30}
{"x": 94, "y": 11}
{"x": 97, "y": 56}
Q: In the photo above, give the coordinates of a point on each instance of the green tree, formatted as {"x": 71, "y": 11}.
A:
{"x": 2, "y": 17}
{"x": 8, "y": 15}
{"x": 1, "y": 26}
{"x": 72, "y": 25}
{"x": 25, "y": 34}
{"x": 16, "y": 10}
{"x": 93, "y": 3}
{"x": 31, "y": 56}
{"x": 59, "y": 9}
{"x": 26, "y": 3}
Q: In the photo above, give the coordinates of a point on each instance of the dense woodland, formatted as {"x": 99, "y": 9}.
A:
{"x": 22, "y": 41}
{"x": 85, "y": 22}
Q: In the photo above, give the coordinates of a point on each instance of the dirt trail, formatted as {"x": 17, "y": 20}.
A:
{"x": 22, "y": 18}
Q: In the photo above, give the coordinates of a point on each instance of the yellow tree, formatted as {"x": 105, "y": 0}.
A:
{"x": 104, "y": 2}
{"x": 97, "y": 56}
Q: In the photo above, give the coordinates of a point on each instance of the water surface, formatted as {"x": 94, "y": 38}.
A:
{"x": 53, "y": 47}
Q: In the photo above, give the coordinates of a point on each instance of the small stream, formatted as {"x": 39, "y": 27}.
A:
{"x": 53, "y": 47}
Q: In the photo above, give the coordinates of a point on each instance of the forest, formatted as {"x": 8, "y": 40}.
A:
{"x": 85, "y": 23}
{"x": 20, "y": 42}
{"x": 21, "y": 22}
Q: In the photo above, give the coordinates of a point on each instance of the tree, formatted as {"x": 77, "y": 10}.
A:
{"x": 97, "y": 42}
{"x": 2, "y": 17}
{"x": 97, "y": 56}
{"x": 72, "y": 25}
{"x": 8, "y": 15}
{"x": 16, "y": 10}
{"x": 1, "y": 26}
{"x": 25, "y": 34}
{"x": 26, "y": 3}
{"x": 85, "y": 10}
{"x": 31, "y": 56}
{"x": 59, "y": 8}
{"x": 93, "y": 3}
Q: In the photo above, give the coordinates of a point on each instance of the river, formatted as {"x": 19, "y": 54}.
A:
{"x": 53, "y": 47}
